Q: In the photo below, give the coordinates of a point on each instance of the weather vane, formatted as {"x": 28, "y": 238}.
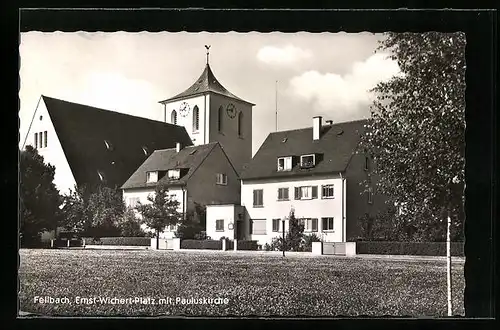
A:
{"x": 208, "y": 51}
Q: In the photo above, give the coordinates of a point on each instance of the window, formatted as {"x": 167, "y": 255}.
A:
{"x": 258, "y": 198}
{"x": 307, "y": 161}
{"x": 133, "y": 201}
{"x": 173, "y": 174}
{"x": 327, "y": 223}
{"x": 310, "y": 224}
{"x": 219, "y": 118}
{"x": 173, "y": 117}
{"x": 152, "y": 176}
{"x": 108, "y": 145}
{"x": 284, "y": 164}
{"x": 327, "y": 191}
{"x": 196, "y": 119}
{"x": 36, "y": 140}
{"x": 276, "y": 225}
{"x": 101, "y": 176}
{"x": 306, "y": 192}
{"x": 221, "y": 179}
{"x": 45, "y": 139}
{"x": 366, "y": 163}
{"x": 282, "y": 194}
{"x": 370, "y": 195}
{"x": 259, "y": 227}
{"x": 240, "y": 124}
{"x": 41, "y": 139}
{"x": 219, "y": 225}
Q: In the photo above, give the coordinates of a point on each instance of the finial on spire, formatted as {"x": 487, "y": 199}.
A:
{"x": 208, "y": 51}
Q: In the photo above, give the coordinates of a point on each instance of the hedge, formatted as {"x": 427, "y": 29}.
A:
{"x": 124, "y": 241}
{"x": 64, "y": 243}
{"x": 410, "y": 248}
{"x": 201, "y": 244}
{"x": 247, "y": 245}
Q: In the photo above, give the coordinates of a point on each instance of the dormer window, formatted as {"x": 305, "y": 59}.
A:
{"x": 101, "y": 176}
{"x": 108, "y": 144}
{"x": 307, "y": 161}
{"x": 174, "y": 174}
{"x": 284, "y": 164}
{"x": 151, "y": 176}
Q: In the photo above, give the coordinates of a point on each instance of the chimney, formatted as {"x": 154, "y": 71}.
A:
{"x": 178, "y": 147}
{"x": 317, "y": 123}
{"x": 329, "y": 122}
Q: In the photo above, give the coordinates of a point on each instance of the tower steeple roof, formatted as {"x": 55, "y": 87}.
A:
{"x": 204, "y": 84}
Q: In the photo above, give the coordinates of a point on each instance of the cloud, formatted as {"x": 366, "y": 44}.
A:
{"x": 343, "y": 95}
{"x": 282, "y": 56}
{"x": 113, "y": 91}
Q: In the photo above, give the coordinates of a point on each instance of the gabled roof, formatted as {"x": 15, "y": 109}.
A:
{"x": 96, "y": 140}
{"x": 205, "y": 83}
{"x": 189, "y": 158}
{"x": 336, "y": 146}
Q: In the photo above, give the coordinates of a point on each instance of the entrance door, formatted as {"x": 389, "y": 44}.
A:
{"x": 239, "y": 230}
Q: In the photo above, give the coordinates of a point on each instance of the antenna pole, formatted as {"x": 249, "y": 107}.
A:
{"x": 276, "y": 105}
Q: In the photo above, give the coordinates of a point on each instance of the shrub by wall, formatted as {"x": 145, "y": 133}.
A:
{"x": 201, "y": 244}
{"x": 247, "y": 245}
{"x": 410, "y": 248}
{"x": 123, "y": 241}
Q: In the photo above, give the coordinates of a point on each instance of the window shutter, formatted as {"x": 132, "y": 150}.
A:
{"x": 314, "y": 224}
{"x": 255, "y": 197}
{"x": 325, "y": 223}
{"x": 297, "y": 193}
{"x": 314, "y": 192}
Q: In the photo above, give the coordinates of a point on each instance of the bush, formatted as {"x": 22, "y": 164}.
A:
{"x": 247, "y": 245}
{"x": 308, "y": 240}
{"x": 409, "y": 248}
{"x": 129, "y": 241}
{"x": 201, "y": 245}
{"x": 64, "y": 243}
{"x": 202, "y": 235}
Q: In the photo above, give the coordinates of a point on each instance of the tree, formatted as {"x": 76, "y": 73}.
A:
{"x": 416, "y": 134}
{"x": 130, "y": 225}
{"x": 194, "y": 223}
{"x": 161, "y": 211}
{"x": 94, "y": 212}
{"x": 295, "y": 236}
{"x": 38, "y": 196}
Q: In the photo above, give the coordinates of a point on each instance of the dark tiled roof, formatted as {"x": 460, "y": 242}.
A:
{"x": 337, "y": 144}
{"x": 205, "y": 83}
{"x": 83, "y": 130}
{"x": 188, "y": 158}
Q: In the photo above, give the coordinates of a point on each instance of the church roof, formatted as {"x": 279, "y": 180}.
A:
{"x": 204, "y": 84}
{"x": 102, "y": 143}
{"x": 188, "y": 160}
{"x": 337, "y": 144}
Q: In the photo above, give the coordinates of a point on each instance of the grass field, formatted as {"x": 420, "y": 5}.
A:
{"x": 253, "y": 285}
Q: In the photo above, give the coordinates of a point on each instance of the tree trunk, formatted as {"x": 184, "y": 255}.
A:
{"x": 448, "y": 262}
{"x": 157, "y": 239}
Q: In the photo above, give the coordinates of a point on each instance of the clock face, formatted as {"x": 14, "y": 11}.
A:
{"x": 231, "y": 110}
{"x": 184, "y": 109}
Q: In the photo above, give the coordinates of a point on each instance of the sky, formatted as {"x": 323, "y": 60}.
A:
{"x": 325, "y": 74}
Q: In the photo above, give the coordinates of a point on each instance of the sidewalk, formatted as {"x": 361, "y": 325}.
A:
{"x": 114, "y": 247}
{"x": 408, "y": 257}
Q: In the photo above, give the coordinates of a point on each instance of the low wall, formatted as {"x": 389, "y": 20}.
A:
{"x": 126, "y": 241}
{"x": 410, "y": 248}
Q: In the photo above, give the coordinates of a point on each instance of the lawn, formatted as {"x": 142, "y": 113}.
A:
{"x": 252, "y": 285}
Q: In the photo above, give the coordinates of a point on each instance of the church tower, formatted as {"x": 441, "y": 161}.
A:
{"x": 210, "y": 113}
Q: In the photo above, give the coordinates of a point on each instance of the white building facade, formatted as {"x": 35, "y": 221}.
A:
{"x": 320, "y": 202}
